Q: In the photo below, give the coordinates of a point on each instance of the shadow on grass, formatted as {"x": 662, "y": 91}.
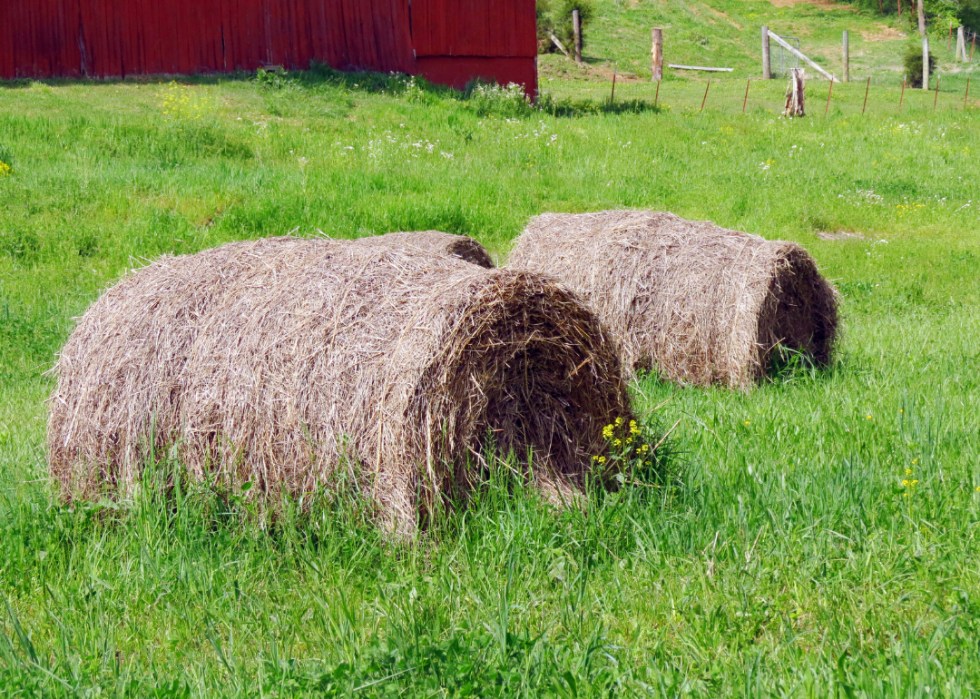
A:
{"x": 484, "y": 98}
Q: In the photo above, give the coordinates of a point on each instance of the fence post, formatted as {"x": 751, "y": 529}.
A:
{"x": 766, "y": 65}
{"x": 867, "y": 89}
{"x": 847, "y": 59}
{"x": 577, "y": 29}
{"x": 960, "y": 44}
{"x": 925, "y": 62}
{"x": 749, "y": 82}
{"x": 705, "y": 98}
{"x": 657, "y": 51}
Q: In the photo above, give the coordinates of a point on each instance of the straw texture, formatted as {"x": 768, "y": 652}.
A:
{"x": 278, "y": 362}
{"x": 696, "y": 302}
{"x": 434, "y": 243}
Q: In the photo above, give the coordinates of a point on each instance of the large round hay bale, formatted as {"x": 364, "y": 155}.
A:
{"x": 698, "y": 303}
{"x": 278, "y": 362}
{"x": 434, "y": 243}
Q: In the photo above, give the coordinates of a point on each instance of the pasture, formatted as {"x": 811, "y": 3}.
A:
{"x": 819, "y": 536}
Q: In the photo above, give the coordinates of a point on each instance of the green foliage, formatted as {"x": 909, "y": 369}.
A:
{"x": 555, "y": 17}
{"x": 912, "y": 62}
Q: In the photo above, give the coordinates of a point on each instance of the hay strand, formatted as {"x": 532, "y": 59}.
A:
{"x": 696, "y": 302}
{"x": 434, "y": 243}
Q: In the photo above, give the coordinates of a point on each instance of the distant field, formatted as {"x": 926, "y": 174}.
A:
{"x": 727, "y": 33}
{"x": 788, "y": 559}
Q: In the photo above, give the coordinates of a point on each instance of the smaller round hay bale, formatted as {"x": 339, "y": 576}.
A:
{"x": 434, "y": 243}
{"x": 698, "y": 303}
{"x": 282, "y": 362}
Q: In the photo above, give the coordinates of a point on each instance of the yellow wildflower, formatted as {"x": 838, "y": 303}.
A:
{"x": 602, "y": 459}
{"x": 619, "y": 421}
{"x": 617, "y": 443}
{"x": 5, "y": 169}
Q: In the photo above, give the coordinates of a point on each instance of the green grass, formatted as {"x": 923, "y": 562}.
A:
{"x": 727, "y": 33}
{"x": 786, "y": 558}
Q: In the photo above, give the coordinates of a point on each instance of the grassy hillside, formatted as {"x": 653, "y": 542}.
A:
{"x": 792, "y": 555}
{"x": 726, "y": 33}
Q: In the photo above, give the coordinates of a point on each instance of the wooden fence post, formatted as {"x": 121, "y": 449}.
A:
{"x": 657, "y": 52}
{"x": 960, "y": 44}
{"x": 847, "y": 59}
{"x": 766, "y": 65}
{"x": 705, "y": 98}
{"x": 795, "y": 94}
{"x": 925, "y": 62}
{"x": 577, "y": 29}
{"x": 749, "y": 82}
{"x": 866, "y": 91}
{"x": 826, "y": 109}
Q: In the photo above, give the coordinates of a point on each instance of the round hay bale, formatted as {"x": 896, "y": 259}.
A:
{"x": 434, "y": 243}
{"x": 696, "y": 302}
{"x": 279, "y": 362}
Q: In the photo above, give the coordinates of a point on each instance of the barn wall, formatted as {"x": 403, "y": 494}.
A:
{"x": 116, "y": 38}
{"x": 454, "y": 40}
{"x": 458, "y": 40}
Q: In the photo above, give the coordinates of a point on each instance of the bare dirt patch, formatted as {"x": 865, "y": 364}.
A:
{"x": 883, "y": 33}
{"x": 724, "y": 15}
{"x": 823, "y": 4}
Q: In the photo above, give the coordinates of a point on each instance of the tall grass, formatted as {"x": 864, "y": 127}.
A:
{"x": 783, "y": 557}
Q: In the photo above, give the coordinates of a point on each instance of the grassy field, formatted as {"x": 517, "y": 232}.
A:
{"x": 787, "y": 558}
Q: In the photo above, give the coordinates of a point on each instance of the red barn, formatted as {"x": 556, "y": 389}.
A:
{"x": 446, "y": 41}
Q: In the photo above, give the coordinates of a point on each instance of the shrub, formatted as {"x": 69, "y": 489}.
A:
{"x": 913, "y": 64}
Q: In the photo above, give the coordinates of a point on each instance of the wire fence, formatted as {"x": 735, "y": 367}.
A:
{"x": 755, "y": 96}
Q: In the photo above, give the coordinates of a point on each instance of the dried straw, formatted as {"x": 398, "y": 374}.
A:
{"x": 280, "y": 362}
{"x": 434, "y": 243}
{"x": 699, "y": 303}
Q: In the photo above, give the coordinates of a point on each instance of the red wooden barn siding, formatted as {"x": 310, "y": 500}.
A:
{"x": 457, "y": 40}
{"x": 447, "y": 41}
{"x": 112, "y": 38}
